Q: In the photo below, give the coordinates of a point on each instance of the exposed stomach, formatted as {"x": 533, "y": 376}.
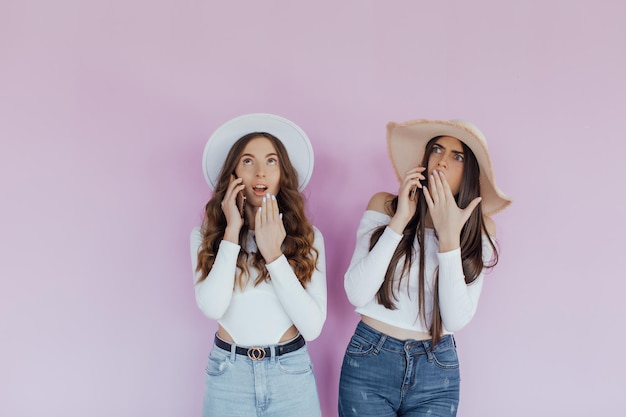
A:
{"x": 289, "y": 334}
{"x": 393, "y": 331}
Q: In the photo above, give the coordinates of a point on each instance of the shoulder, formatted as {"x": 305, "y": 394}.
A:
{"x": 490, "y": 225}
{"x": 195, "y": 239}
{"x": 196, "y": 233}
{"x": 317, "y": 233}
{"x": 381, "y": 202}
{"x": 318, "y": 238}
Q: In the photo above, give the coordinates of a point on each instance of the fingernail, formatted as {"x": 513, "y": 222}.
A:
{"x": 273, "y": 197}
{"x": 267, "y": 195}
{"x": 281, "y": 216}
{"x": 259, "y": 208}
{"x": 264, "y": 199}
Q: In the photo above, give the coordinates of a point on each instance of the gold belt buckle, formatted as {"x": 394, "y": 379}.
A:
{"x": 256, "y": 353}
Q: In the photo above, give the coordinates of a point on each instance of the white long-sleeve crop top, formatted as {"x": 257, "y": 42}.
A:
{"x": 457, "y": 300}
{"x": 260, "y": 315}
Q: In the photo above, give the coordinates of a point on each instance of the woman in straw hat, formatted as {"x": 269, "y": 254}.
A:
{"x": 417, "y": 271}
{"x": 259, "y": 270}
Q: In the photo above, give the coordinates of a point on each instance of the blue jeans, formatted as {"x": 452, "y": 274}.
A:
{"x": 277, "y": 386}
{"x": 384, "y": 377}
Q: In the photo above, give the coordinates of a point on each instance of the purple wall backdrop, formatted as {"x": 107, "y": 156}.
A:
{"x": 106, "y": 106}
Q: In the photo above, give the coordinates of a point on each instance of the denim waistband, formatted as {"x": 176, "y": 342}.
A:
{"x": 383, "y": 341}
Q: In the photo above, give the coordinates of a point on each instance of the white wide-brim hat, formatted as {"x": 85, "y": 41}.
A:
{"x": 407, "y": 142}
{"x": 295, "y": 140}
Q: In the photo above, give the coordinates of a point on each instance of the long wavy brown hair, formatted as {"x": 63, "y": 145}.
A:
{"x": 471, "y": 243}
{"x": 298, "y": 245}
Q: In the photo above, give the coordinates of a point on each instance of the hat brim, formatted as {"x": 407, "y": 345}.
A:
{"x": 291, "y": 135}
{"x": 407, "y": 142}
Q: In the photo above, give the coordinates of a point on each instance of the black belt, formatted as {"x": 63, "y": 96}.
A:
{"x": 259, "y": 353}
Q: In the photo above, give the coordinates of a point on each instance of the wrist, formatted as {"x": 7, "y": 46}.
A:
{"x": 231, "y": 234}
{"x": 271, "y": 257}
{"x": 397, "y": 224}
{"x": 447, "y": 244}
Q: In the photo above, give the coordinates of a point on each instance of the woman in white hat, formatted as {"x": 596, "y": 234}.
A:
{"x": 259, "y": 270}
{"x": 417, "y": 271}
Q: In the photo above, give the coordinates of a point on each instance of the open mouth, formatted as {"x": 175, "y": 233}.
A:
{"x": 259, "y": 190}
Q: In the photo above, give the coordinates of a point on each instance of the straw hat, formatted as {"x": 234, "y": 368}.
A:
{"x": 295, "y": 140}
{"x": 407, "y": 142}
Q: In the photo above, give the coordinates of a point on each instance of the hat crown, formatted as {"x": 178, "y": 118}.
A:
{"x": 470, "y": 127}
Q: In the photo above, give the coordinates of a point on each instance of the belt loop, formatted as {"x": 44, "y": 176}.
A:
{"x": 427, "y": 344}
{"x": 233, "y": 352}
{"x": 381, "y": 342}
{"x": 273, "y": 353}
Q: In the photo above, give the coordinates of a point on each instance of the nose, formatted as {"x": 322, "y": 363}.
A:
{"x": 260, "y": 172}
{"x": 441, "y": 163}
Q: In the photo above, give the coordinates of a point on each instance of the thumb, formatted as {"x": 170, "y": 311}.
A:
{"x": 467, "y": 212}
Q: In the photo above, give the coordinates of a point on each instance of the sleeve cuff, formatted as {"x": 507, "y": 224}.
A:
{"x": 450, "y": 264}
{"x": 229, "y": 250}
{"x": 389, "y": 234}
{"x": 279, "y": 268}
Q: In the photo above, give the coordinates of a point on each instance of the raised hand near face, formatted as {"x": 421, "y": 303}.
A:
{"x": 234, "y": 221}
{"x": 407, "y": 199}
{"x": 448, "y": 219}
{"x": 269, "y": 229}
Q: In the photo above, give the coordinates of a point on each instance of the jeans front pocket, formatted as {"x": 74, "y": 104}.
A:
{"x": 446, "y": 358}
{"x": 358, "y": 346}
{"x": 295, "y": 363}
{"x": 218, "y": 362}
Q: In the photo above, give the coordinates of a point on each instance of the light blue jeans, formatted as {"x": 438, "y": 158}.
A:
{"x": 277, "y": 386}
{"x": 386, "y": 377}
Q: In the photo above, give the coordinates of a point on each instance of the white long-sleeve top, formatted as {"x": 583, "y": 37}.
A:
{"x": 457, "y": 300}
{"x": 260, "y": 315}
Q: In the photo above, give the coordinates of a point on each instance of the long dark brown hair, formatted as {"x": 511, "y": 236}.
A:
{"x": 298, "y": 245}
{"x": 471, "y": 243}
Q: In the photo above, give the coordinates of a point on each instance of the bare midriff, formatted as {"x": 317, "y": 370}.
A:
{"x": 291, "y": 333}
{"x": 393, "y": 331}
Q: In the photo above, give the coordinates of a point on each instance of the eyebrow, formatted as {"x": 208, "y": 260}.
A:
{"x": 452, "y": 150}
{"x": 267, "y": 156}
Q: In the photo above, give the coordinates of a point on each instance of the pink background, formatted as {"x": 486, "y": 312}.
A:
{"x": 105, "y": 107}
